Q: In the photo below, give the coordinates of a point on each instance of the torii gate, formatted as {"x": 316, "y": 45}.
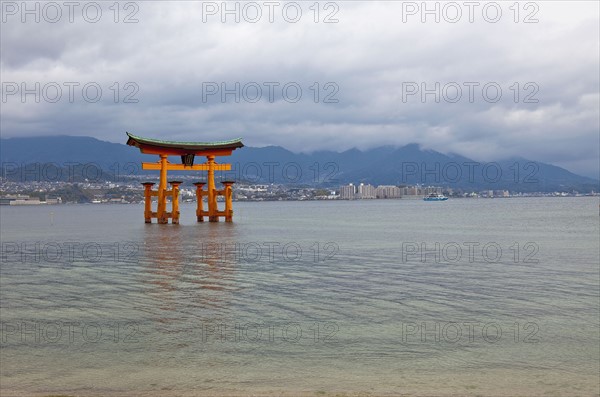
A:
{"x": 187, "y": 151}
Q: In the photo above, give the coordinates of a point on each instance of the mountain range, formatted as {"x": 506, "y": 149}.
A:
{"x": 386, "y": 165}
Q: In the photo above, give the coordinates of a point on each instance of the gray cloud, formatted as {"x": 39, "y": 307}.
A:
{"x": 368, "y": 55}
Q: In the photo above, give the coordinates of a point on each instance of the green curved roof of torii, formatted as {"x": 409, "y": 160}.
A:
{"x": 138, "y": 141}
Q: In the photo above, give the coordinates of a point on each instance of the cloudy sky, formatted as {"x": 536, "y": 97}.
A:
{"x": 487, "y": 80}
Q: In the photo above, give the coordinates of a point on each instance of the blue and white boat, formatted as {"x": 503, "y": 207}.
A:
{"x": 435, "y": 197}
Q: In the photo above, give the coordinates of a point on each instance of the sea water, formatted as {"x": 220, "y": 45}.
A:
{"x": 382, "y": 297}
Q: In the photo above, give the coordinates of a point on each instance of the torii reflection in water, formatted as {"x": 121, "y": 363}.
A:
{"x": 190, "y": 273}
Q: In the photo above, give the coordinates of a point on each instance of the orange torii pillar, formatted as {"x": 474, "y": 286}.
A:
{"x": 213, "y": 212}
{"x": 148, "y": 194}
{"x": 148, "y": 201}
{"x": 200, "y": 206}
{"x": 175, "y": 201}
{"x": 161, "y": 211}
{"x": 212, "y": 194}
{"x": 228, "y": 200}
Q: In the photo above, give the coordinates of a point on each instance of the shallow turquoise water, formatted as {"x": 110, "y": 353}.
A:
{"x": 481, "y": 297}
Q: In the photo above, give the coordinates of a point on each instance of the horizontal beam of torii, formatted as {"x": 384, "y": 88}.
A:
{"x": 182, "y": 167}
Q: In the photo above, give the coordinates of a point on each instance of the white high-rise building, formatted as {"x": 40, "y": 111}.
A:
{"x": 387, "y": 192}
{"x": 348, "y": 192}
{"x": 366, "y": 191}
